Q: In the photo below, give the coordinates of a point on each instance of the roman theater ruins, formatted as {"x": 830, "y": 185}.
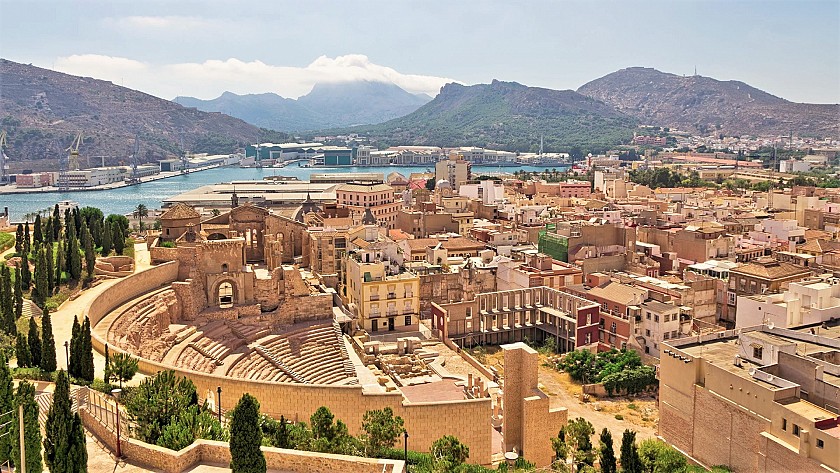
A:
{"x": 230, "y": 304}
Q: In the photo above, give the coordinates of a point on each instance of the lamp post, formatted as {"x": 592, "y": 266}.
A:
{"x": 67, "y": 353}
{"x": 405, "y": 453}
{"x": 219, "y": 402}
{"x": 116, "y": 393}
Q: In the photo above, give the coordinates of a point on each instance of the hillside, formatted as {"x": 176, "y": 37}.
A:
{"x": 43, "y": 110}
{"x": 705, "y": 105}
{"x": 327, "y": 105}
{"x": 509, "y": 116}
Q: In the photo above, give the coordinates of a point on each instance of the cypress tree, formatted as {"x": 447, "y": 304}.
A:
{"x": 19, "y": 239}
{"x": 90, "y": 254}
{"x": 37, "y": 230}
{"x": 77, "y": 220}
{"x": 48, "y": 231}
{"x": 69, "y": 236}
{"x": 106, "y": 240}
{"x": 107, "y": 375}
{"x": 117, "y": 238}
{"x": 25, "y": 273}
{"x": 606, "y": 454}
{"x": 7, "y": 306}
{"x": 73, "y": 368}
{"x": 18, "y": 295}
{"x": 26, "y": 239}
{"x": 22, "y": 352}
{"x": 74, "y": 261}
{"x": 50, "y": 270}
{"x": 48, "y": 362}
{"x": 31, "y": 431}
{"x": 60, "y": 437}
{"x": 59, "y": 265}
{"x": 77, "y": 453}
{"x": 7, "y": 403}
{"x": 245, "y": 437}
{"x": 86, "y": 360}
{"x": 34, "y": 339}
{"x": 56, "y": 228}
{"x": 95, "y": 227}
{"x": 41, "y": 292}
{"x": 630, "y": 461}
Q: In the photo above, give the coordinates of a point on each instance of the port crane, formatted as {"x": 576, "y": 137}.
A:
{"x": 68, "y": 163}
{"x": 135, "y": 157}
{"x": 4, "y": 168}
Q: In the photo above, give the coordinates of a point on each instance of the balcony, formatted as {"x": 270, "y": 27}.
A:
{"x": 374, "y": 297}
{"x": 392, "y": 313}
{"x": 392, "y": 295}
{"x": 408, "y": 311}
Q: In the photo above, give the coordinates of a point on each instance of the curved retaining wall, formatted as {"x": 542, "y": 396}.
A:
{"x": 469, "y": 420}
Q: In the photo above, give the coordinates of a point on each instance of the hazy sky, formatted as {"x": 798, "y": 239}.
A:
{"x": 202, "y": 48}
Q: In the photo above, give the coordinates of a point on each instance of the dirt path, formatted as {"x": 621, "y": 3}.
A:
{"x": 552, "y": 382}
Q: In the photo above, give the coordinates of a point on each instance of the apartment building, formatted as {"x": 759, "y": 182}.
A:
{"x": 537, "y": 270}
{"x": 377, "y": 197}
{"x": 756, "y": 399}
{"x": 383, "y": 299}
{"x": 810, "y": 301}
{"x": 454, "y": 170}
{"x": 762, "y": 276}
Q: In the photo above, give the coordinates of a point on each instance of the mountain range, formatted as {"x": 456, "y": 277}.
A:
{"x": 328, "y": 105}
{"x": 507, "y": 115}
{"x": 43, "y": 110}
{"x": 705, "y": 105}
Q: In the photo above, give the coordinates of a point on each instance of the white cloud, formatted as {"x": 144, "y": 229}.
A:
{"x": 159, "y": 22}
{"x": 210, "y": 78}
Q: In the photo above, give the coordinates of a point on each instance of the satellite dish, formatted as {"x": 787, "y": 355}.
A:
{"x": 752, "y": 371}
{"x": 771, "y": 325}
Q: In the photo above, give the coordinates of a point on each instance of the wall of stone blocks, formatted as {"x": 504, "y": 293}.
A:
{"x": 208, "y": 451}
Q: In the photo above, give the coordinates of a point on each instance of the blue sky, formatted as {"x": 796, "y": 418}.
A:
{"x": 167, "y": 48}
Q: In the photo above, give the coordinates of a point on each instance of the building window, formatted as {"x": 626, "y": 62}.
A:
{"x": 647, "y": 333}
{"x": 784, "y": 425}
{"x": 407, "y": 320}
{"x": 757, "y": 353}
{"x": 374, "y": 327}
{"x": 648, "y": 315}
{"x": 820, "y": 443}
{"x": 656, "y": 318}
{"x": 796, "y": 430}
{"x": 612, "y": 327}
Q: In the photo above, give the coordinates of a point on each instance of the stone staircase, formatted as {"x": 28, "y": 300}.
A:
{"x": 279, "y": 364}
{"x": 195, "y": 346}
{"x": 30, "y": 309}
{"x": 346, "y": 363}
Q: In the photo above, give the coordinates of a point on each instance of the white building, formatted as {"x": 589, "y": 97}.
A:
{"x": 488, "y": 192}
{"x": 806, "y": 302}
{"x": 91, "y": 177}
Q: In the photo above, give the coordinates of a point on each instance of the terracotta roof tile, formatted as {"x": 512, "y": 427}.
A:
{"x": 180, "y": 211}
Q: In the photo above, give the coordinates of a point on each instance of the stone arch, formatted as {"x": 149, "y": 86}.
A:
{"x": 225, "y": 293}
{"x": 217, "y": 236}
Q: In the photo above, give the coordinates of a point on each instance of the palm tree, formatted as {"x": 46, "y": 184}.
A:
{"x": 140, "y": 212}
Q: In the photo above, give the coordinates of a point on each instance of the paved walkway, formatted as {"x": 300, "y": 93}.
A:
{"x": 62, "y": 319}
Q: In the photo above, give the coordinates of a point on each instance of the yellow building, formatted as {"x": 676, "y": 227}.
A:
{"x": 383, "y": 302}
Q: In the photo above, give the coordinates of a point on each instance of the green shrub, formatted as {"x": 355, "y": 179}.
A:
{"x": 168, "y": 244}
{"x": 32, "y": 374}
{"x": 619, "y": 417}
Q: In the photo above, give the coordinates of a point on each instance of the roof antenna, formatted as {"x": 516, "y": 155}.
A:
{"x": 695, "y": 70}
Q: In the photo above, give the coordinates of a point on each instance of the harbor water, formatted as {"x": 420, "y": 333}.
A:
{"x": 124, "y": 199}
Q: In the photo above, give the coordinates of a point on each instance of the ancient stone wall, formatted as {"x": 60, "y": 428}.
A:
{"x": 192, "y": 297}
